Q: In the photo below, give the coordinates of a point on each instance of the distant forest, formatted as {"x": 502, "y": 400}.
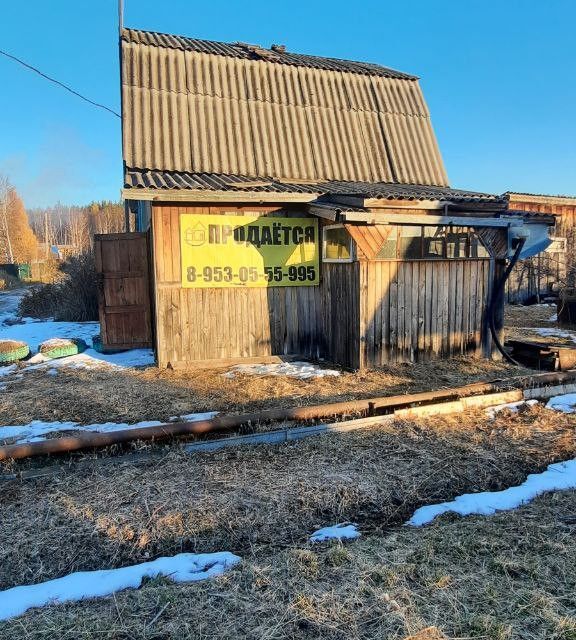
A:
{"x": 27, "y": 234}
{"x": 74, "y": 226}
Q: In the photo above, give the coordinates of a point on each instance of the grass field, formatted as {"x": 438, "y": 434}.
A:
{"x": 509, "y": 576}
{"x": 504, "y": 577}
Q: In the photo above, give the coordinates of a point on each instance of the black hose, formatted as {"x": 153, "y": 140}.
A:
{"x": 496, "y": 294}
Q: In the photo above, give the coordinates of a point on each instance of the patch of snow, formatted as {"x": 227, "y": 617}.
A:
{"x": 8, "y": 369}
{"x": 511, "y": 406}
{"x": 35, "y": 333}
{"x": 194, "y": 417}
{"x": 553, "y": 318}
{"x": 184, "y": 567}
{"x": 552, "y": 333}
{"x": 52, "y": 372}
{"x": 300, "y": 370}
{"x": 558, "y": 476}
{"x": 336, "y": 532}
{"x": 565, "y": 403}
{"x": 33, "y": 431}
{"x": 9, "y": 302}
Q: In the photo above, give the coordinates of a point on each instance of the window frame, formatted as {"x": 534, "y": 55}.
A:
{"x": 444, "y": 238}
{"x": 352, "y": 257}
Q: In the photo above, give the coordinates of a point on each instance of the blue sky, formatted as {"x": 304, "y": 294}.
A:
{"x": 499, "y": 78}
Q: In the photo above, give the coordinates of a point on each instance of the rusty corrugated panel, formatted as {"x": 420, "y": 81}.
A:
{"x": 191, "y": 106}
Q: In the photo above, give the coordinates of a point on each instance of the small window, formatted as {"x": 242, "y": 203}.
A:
{"x": 410, "y": 243}
{"x": 477, "y": 249}
{"x": 434, "y": 242}
{"x": 337, "y": 245}
{"x": 389, "y": 250}
{"x": 457, "y": 242}
{"x": 558, "y": 245}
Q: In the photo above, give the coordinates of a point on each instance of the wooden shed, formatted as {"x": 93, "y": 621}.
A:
{"x": 287, "y": 205}
{"x": 548, "y": 272}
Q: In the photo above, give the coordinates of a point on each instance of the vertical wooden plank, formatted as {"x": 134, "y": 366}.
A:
{"x": 394, "y": 347}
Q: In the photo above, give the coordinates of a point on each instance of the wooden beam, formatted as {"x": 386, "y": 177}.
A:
{"x": 193, "y": 196}
{"x": 377, "y": 217}
{"x": 383, "y": 203}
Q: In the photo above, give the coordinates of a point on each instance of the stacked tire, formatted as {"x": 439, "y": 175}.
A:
{"x": 62, "y": 347}
{"x": 12, "y": 351}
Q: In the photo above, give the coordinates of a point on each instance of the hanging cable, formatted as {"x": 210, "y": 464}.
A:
{"x": 60, "y": 84}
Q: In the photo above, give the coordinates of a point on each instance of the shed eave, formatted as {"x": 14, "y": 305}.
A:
{"x": 204, "y": 195}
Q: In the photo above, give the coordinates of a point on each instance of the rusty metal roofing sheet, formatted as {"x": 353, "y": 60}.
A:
{"x": 203, "y": 107}
{"x": 147, "y": 179}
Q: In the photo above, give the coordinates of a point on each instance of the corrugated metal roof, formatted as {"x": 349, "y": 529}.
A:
{"x": 137, "y": 179}
{"x": 203, "y": 107}
{"x": 247, "y": 51}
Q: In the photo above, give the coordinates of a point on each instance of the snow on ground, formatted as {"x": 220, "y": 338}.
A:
{"x": 552, "y": 333}
{"x": 34, "y": 332}
{"x": 336, "y": 532}
{"x": 558, "y": 476}
{"x": 565, "y": 403}
{"x": 514, "y": 407}
{"x": 9, "y": 302}
{"x": 194, "y": 417}
{"x": 184, "y": 567}
{"x": 35, "y": 430}
{"x": 302, "y": 370}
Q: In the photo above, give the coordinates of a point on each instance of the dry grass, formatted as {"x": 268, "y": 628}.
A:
{"x": 535, "y": 315}
{"x": 263, "y": 502}
{"x": 103, "y": 395}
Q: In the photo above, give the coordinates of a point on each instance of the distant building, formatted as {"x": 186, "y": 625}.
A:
{"x": 544, "y": 274}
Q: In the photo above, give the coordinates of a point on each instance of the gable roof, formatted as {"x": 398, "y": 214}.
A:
{"x": 200, "y": 107}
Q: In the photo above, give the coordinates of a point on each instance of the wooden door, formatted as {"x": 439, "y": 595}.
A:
{"x": 122, "y": 265}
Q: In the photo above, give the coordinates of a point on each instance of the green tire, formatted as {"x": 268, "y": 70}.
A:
{"x": 12, "y": 351}
{"x": 63, "y": 348}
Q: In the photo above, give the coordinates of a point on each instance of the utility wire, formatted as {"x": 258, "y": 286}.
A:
{"x": 61, "y": 84}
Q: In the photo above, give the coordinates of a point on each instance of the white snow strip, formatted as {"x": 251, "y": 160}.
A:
{"x": 301, "y": 370}
{"x": 553, "y": 318}
{"x": 336, "y": 532}
{"x": 35, "y": 430}
{"x": 184, "y": 567}
{"x": 514, "y": 407}
{"x": 194, "y": 417}
{"x": 565, "y": 403}
{"x": 558, "y": 476}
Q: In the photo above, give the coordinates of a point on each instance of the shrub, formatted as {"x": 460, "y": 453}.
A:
{"x": 72, "y": 298}
{"x": 8, "y": 281}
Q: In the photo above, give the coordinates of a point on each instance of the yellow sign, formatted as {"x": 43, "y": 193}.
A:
{"x": 248, "y": 251}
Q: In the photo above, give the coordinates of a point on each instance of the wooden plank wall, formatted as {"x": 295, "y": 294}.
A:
{"x": 536, "y": 275}
{"x": 209, "y": 324}
{"x": 421, "y": 309}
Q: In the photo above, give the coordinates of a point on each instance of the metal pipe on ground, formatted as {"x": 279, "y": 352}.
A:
{"x": 366, "y": 407}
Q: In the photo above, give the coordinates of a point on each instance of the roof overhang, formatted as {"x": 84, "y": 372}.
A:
{"x": 342, "y": 214}
{"x": 204, "y": 195}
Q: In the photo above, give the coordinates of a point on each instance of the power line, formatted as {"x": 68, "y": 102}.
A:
{"x": 61, "y": 84}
